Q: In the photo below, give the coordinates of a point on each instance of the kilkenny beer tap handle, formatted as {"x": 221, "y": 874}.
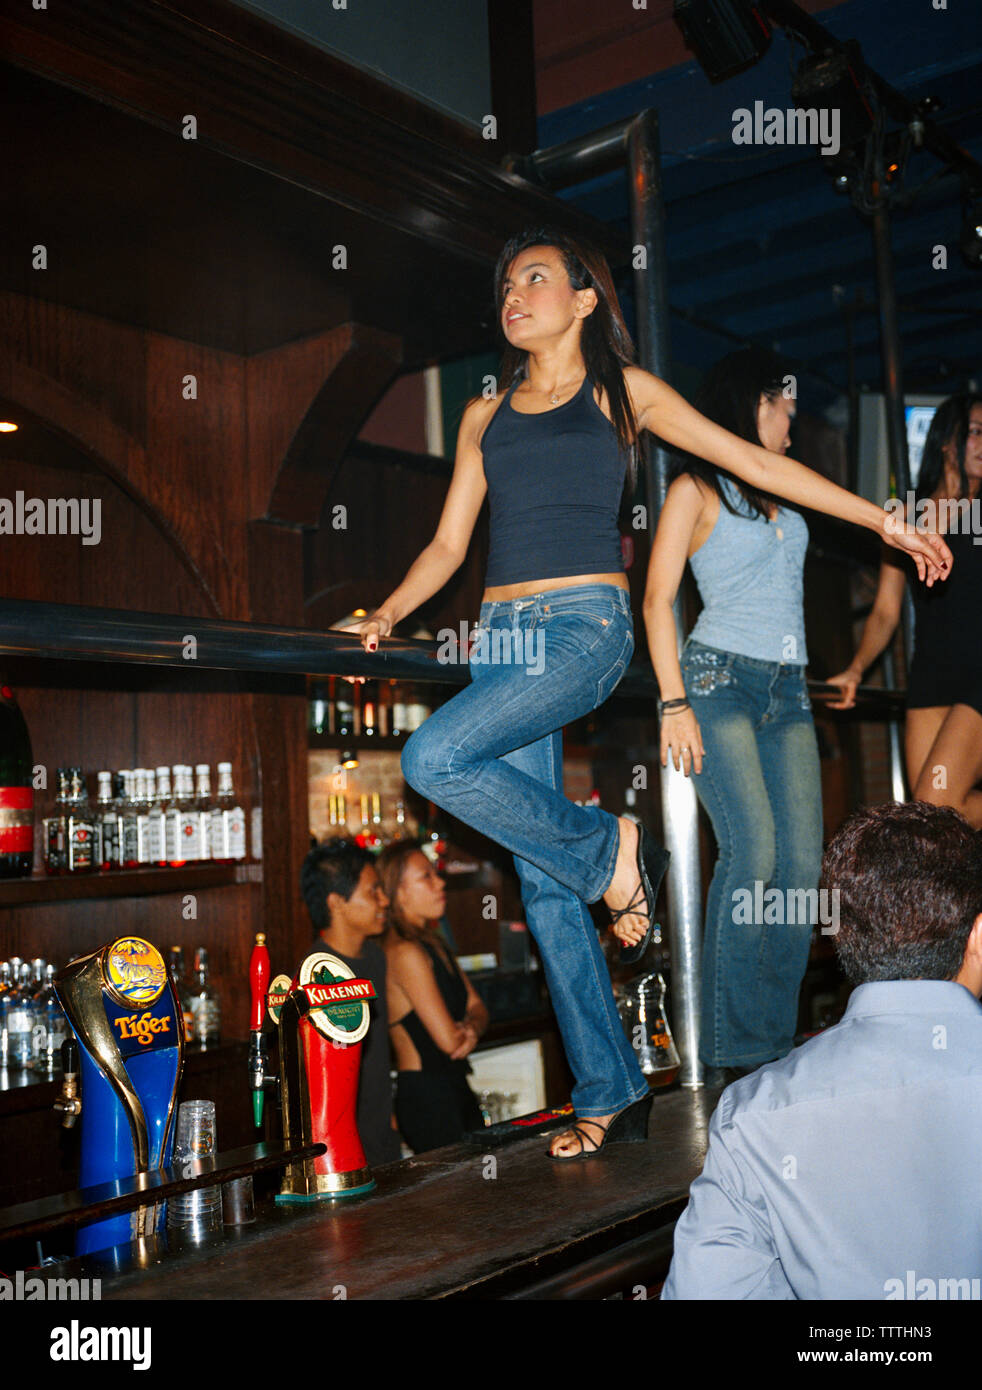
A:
{"x": 258, "y": 985}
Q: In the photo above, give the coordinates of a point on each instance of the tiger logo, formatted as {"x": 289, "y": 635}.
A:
{"x": 135, "y": 970}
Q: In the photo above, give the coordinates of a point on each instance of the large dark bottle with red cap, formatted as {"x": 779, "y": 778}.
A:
{"x": 16, "y": 790}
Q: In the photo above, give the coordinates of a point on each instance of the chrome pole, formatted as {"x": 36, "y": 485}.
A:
{"x": 680, "y": 811}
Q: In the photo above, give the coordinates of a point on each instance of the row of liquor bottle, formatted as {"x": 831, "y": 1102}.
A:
{"x": 345, "y": 708}
{"x": 33, "y": 1025}
{"x": 146, "y": 817}
{"x": 365, "y": 822}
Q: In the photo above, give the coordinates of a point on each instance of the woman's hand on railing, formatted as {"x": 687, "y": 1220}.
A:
{"x": 681, "y": 738}
{"x": 849, "y": 680}
{"x": 929, "y": 552}
{"x": 371, "y": 629}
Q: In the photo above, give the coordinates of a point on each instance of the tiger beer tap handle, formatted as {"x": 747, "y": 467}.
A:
{"x": 258, "y": 984}
{"x": 68, "y": 1102}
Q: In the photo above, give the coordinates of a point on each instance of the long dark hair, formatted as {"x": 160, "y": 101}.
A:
{"x": 948, "y": 426}
{"x": 729, "y": 396}
{"x": 391, "y": 864}
{"x": 605, "y": 342}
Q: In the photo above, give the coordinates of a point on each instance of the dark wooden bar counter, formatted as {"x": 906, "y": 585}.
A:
{"x": 470, "y": 1221}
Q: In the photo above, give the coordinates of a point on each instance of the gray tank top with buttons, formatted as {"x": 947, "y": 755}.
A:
{"x": 750, "y": 577}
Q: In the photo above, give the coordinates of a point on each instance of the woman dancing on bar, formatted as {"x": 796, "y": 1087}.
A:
{"x": 736, "y": 712}
{"x": 551, "y": 451}
{"x": 943, "y": 736}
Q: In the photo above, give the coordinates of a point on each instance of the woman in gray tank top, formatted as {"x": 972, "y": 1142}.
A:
{"x": 555, "y": 636}
{"x": 741, "y": 720}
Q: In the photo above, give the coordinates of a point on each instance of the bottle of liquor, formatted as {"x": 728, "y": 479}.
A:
{"x": 400, "y": 716}
{"x": 150, "y": 827}
{"x": 318, "y": 710}
{"x": 55, "y": 826}
{"x": 6, "y": 989}
{"x": 107, "y": 840}
{"x": 18, "y": 1019}
{"x": 369, "y": 710}
{"x": 144, "y": 794}
{"x": 418, "y": 711}
{"x": 127, "y": 811}
{"x": 79, "y": 827}
{"x": 175, "y": 967}
{"x": 173, "y": 842}
{"x": 205, "y": 1007}
{"x": 227, "y": 820}
{"x": 50, "y": 1025}
{"x": 158, "y": 818}
{"x": 16, "y": 790}
{"x": 344, "y": 710}
{"x": 205, "y": 807}
{"x": 182, "y": 820}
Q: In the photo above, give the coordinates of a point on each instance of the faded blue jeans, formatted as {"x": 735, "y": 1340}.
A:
{"x": 493, "y": 757}
{"x": 761, "y": 787}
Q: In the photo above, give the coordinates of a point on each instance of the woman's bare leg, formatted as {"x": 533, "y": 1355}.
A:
{"x": 952, "y": 768}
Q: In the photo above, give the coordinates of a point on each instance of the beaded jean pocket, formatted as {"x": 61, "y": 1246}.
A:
{"x": 704, "y": 669}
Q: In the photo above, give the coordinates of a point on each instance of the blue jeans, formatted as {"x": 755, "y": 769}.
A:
{"x": 493, "y": 757}
{"x": 761, "y": 786}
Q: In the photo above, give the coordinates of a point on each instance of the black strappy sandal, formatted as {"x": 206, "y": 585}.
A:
{"x": 628, "y": 1126}
{"x": 652, "y": 860}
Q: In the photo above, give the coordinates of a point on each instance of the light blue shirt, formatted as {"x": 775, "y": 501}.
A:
{"x": 750, "y": 573}
{"x": 852, "y": 1168}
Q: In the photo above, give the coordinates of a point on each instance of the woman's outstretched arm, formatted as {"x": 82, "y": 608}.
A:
{"x": 664, "y": 412}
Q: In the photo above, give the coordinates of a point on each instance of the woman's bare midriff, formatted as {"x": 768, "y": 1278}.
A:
{"x": 503, "y": 593}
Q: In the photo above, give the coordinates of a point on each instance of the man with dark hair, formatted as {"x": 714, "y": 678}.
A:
{"x": 851, "y": 1168}
{"x": 346, "y": 903}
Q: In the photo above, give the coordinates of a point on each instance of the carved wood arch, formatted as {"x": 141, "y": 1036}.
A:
{"x": 335, "y": 379}
{"x": 89, "y": 428}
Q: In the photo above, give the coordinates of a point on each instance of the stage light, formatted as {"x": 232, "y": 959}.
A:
{"x": 834, "y": 82}
{"x": 725, "y": 36}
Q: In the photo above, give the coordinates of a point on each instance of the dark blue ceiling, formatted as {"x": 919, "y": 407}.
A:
{"x": 760, "y": 246}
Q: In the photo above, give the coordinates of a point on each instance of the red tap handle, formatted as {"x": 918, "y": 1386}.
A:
{"x": 258, "y": 982}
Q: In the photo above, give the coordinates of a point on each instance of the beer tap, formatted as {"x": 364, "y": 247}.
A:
{"x": 258, "y": 983}
{"x": 69, "y": 1102}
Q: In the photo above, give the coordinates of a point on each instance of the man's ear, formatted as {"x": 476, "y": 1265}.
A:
{"x": 971, "y": 970}
{"x": 975, "y": 940}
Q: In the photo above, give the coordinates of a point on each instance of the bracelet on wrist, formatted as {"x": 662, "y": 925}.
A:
{"x": 673, "y": 706}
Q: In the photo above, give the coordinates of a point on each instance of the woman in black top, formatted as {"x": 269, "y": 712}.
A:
{"x": 943, "y": 736}
{"x": 435, "y": 1015}
{"x": 550, "y": 450}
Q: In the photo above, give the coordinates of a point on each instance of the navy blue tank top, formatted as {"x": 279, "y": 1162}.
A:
{"x": 554, "y": 488}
